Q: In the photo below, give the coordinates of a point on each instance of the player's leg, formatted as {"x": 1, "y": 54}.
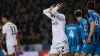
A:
{"x": 96, "y": 55}
{"x": 56, "y": 54}
{"x": 77, "y": 54}
{"x": 11, "y": 50}
{"x": 83, "y": 53}
{"x": 66, "y": 54}
{"x": 12, "y": 54}
{"x": 72, "y": 53}
{"x": 89, "y": 55}
{"x": 64, "y": 50}
{"x": 53, "y": 51}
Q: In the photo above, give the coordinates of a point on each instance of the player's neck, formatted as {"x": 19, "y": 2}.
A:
{"x": 6, "y": 21}
{"x": 90, "y": 10}
{"x": 78, "y": 18}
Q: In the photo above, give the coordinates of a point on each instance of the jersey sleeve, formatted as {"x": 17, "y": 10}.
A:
{"x": 57, "y": 14}
{"x": 90, "y": 17}
{"x": 46, "y": 12}
{"x": 4, "y": 29}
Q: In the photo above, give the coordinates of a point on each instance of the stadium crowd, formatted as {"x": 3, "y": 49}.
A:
{"x": 28, "y": 15}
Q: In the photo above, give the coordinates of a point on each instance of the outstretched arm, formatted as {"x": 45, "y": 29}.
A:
{"x": 47, "y": 12}
{"x": 56, "y": 13}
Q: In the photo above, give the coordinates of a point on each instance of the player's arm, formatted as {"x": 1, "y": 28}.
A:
{"x": 18, "y": 40}
{"x": 47, "y": 12}
{"x": 2, "y": 38}
{"x": 56, "y": 13}
{"x": 4, "y": 28}
{"x": 92, "y": 27}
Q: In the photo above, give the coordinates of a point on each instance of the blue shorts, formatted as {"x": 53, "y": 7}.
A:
{"x": 79, "y": 49}
{"x": 97, "y": 48}
{"x": 73, "y": 48}
{"x": 88, "y": 48}
{"x": 1, "y": 53}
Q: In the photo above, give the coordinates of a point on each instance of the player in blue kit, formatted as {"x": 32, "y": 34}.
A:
{"x": 93, "y": 41}
{"x": 1, "y": 53}
{"x": 83, "y": 27}
{"x": 72, "y": 34}
{"x": 3, "y": 48}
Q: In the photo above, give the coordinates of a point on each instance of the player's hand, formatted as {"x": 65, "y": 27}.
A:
{"x": 84, "y": 41}
{"x": 19, "y": 48}
{"x": 4, "y": 52}
{"x": 60, "y": 5}
{"x": 89, "y": 40}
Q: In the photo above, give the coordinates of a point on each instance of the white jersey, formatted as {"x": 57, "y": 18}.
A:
{"x": 58, "y": 25}
{"x": 10, "y": 30}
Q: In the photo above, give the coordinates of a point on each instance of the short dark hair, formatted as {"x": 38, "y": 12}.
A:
{"x": 78, "y": 13}
{"x": 6, "y": 16}
{"x": 91, "y": 5}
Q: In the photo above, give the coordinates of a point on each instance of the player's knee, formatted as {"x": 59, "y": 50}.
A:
{"x": 12, "y": 54}
{"x": 83, "y": 54}
{"x": 56, "y": 54}
{"x": 66, "y": 54}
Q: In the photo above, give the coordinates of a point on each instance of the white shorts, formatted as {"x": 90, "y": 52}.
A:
{"x": 59, "y": 48}
{"x": 10, "y": 50}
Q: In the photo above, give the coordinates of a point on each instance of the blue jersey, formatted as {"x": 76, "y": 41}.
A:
{"x": 1, "y": 53}
{"x": 72, "y": 32}
{"x": 93, "y": 16}
{"x": 83, "y": 27}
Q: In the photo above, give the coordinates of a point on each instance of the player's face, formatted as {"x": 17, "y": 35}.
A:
{"x": 3, "y": 20}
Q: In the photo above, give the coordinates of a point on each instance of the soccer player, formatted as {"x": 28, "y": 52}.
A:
{"x": 3, "y": 48}
{"x": 93, "y": 41}
{"x": 83, "y": 27}
{"x": 1, "y": 53}
{"x": 72, "y": 31}
{"x": 10, "y": 33}
{"x": 59, "y": 41}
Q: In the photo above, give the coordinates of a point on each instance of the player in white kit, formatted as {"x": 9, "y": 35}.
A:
{"x": 10, "y": 33}
{"x": 59, "y": 41}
